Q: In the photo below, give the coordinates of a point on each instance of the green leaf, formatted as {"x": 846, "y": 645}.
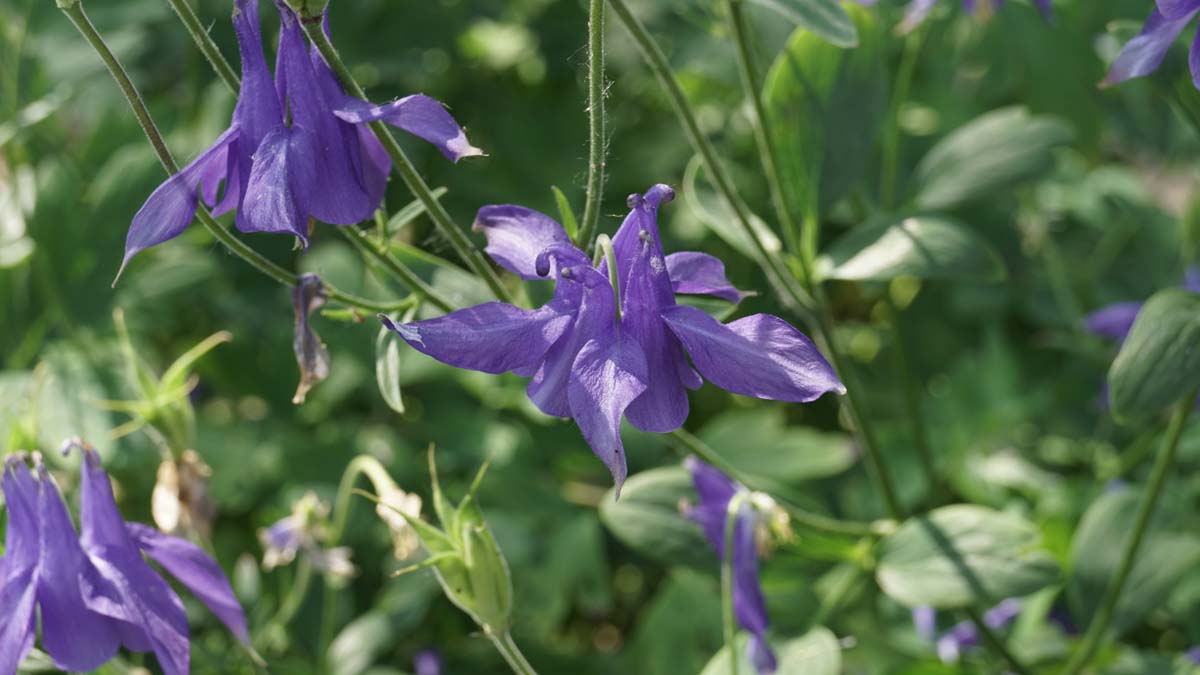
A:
{"x": 1164, "y": 558}
{"x": 647, "y": 518}
{"x": 710, "y": 208}
{"x": 565, "y": 213}
{"x": 815, "y": 653}
{"x": 758, "y": 441}
{"x": 387, "y": 368}
{"x": 823, "y": 17}
{"x": 824, "y": 105}
{"x": 963, "y": 555}
{"x": 1159, "y": 363}
{"x": 987, "y": 155}
{"x": 928, "y": 247}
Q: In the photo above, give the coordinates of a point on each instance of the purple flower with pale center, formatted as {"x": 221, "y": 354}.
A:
{"x": 96, "y": 592}
{"x": 1144, "y": 53}
{"x": 918, "y": 10}
{"x": 594, "y": 365}
{"x": 322, "y": 164}
{"x": 964, "y": 635}
{"x": 303, "y": 531}
{"x": 714, "y": 491}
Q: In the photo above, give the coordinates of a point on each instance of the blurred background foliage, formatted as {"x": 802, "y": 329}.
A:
{"x": 1009, "y": 382}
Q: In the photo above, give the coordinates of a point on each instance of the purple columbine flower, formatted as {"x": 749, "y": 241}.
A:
{"x": 714, "y": 491}
{"x": 1144, "y": 53}
{"x": 323, "y": 165}
{"x": 96, "y": 593}
{"x": 918, "y": 10}
{"x": 304, "y": 531}
{"x": 964, "y": 635}
{"x": 591, "y": 364}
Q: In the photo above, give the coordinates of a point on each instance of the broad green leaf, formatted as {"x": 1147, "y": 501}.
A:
{"x": 708, "y": 206}
{"x": 823, "y": 17}
{"x": 679, "y": 627}
{"x": 964, "y": 555}
{"x": 1164, "y": 558}
{"x": 387, "y": 368}
{"x": 759, "y": 442}
{"x": 824, "y": 105}
{"x": 927, "y": 247}
{"x": 815, "y": 653}
{"x": 1159, "y": 363}
{"x": 986, "y": 155}
{"x": 647, "y": 518}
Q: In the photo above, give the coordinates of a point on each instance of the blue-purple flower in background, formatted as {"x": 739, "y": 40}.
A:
{"x": 427, "y": 662}
{"x": 595, "y": 364}
{"x": 714, "y": 492}
{"x": 296, "y": 148}
{"x": 1144, "y": 53}
{"x": 96, "y": 592}
{"x": 964, "y": 635}
{"x": 1114, "y": 321}
{"x": 918, "y": 10}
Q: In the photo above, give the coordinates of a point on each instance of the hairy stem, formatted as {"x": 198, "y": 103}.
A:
{"x": 459, "y": 241}
{"x": 1158, "y": 476}
{"x": 596, "y": 124}
{"x": 74, "y": 11}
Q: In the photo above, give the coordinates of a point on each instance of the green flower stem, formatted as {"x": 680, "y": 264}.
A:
{"x": 604, "y": 245}
{"x": 752, "y": 89}
{"x": 912, "y": 400}
{"x": 74, "y": 11}
{"x": 813, "y": 521}
{"x": 727, "y": 618}
{"x": 891, "y": 135}
{"x": 994, "y": 642}
{"x": 209, "y": 48}
{"x": 775, "y": 269}
{"x": 295, "y": 597}
{"x": 1158, "y": 476}
{"x": 596, "y": 124}
{"x": 461, "y": 244}
{"x": 512, "y": 654}
{"x": 403, "y": 273}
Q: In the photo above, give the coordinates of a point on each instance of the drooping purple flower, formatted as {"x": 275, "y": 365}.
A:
{"x": 145, "y": 611}
{"x": 95, "y": 593}
{"x": 427, "y": 662}
{"x": 918, "y": 10}
{"x": 304, "y": 531}
{"x": 312, "y": 356}
{"x": 714, "y": 491}
{"x": 594, "y": 365}
{"x": 45, "y": 572}
{"x": 296, "y": 148}
{"x": 1144, "y": 53}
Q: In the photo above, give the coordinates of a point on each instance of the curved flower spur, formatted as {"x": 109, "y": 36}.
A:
{"x": 279, "y": 173}
{"x": 598, "y": 353}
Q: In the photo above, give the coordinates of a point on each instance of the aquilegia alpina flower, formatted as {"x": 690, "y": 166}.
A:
{"x": 918, "y": 10}
{"x": 714, "y": 491}
{"x": 1144, "y": 53}
{"x": 593, "y": 364}
{"x": 96, "y": 592}
{"x": 295, "y": 150}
